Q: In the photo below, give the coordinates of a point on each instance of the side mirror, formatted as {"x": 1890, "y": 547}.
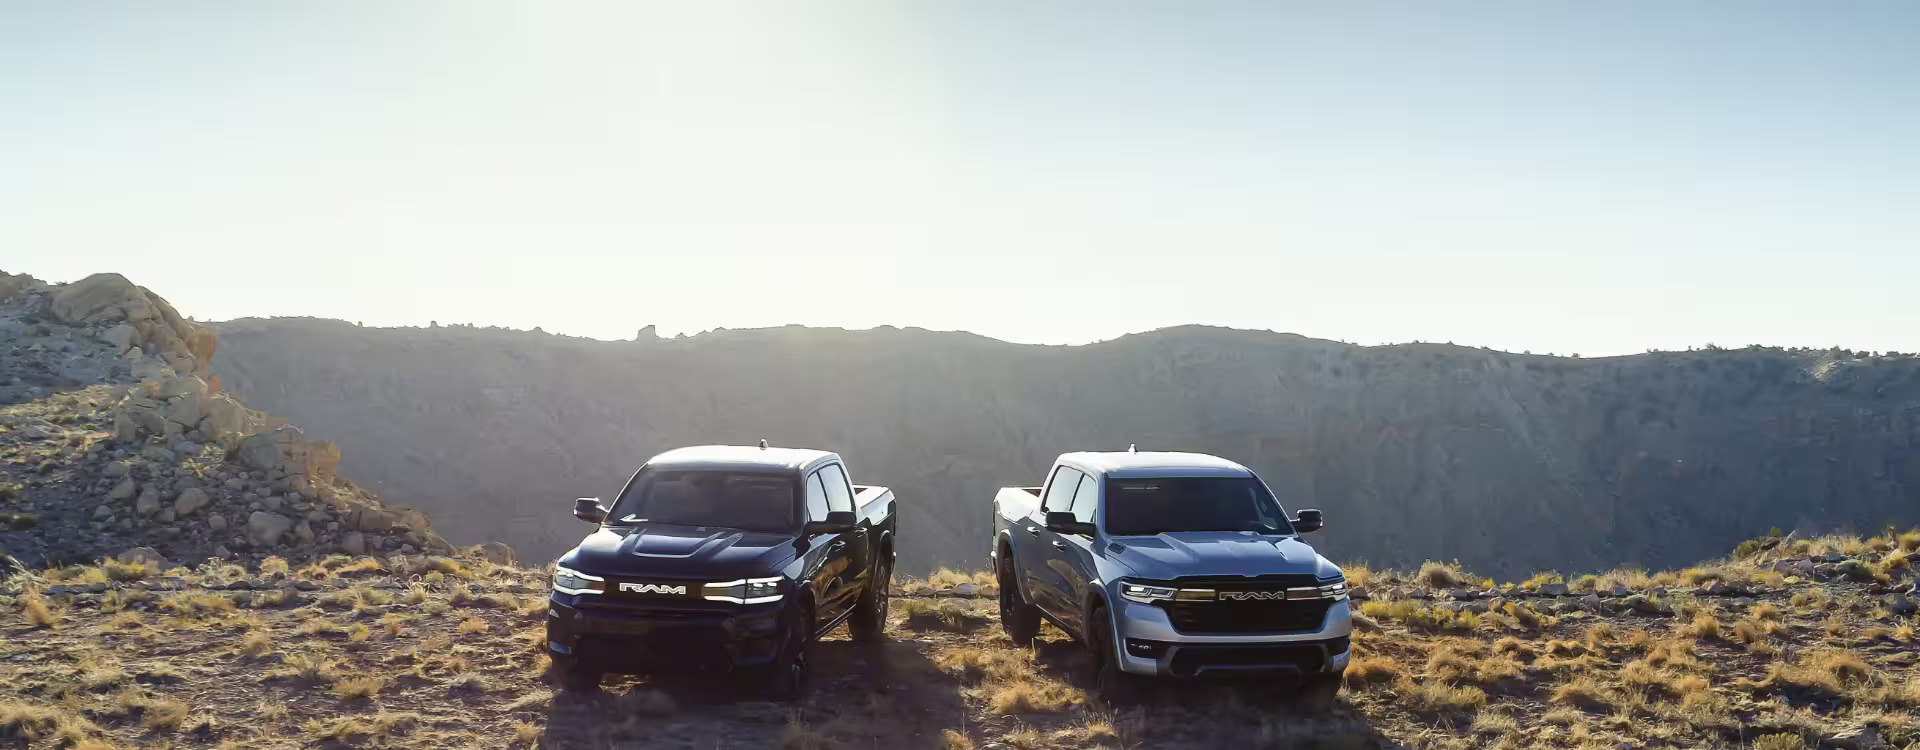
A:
{"x": 838, "y": 521}
{"x": 1308, "y": 520}
{"x": 588, "y": 509}
{"x": 1067, "y": 523}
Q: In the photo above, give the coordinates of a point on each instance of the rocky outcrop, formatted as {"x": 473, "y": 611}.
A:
{"x": 111, "y": 301}
{"x": 189, "y": 472}
{"x": 287, "y": 452}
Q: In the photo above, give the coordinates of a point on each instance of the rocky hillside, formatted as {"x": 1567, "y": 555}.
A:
{"x": 1507, "y": 462}
{"x": 116, "y": 441}
{"x": 1791, "y": 644}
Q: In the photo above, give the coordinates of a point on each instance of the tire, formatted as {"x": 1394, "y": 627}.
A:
{"x": 570, "y": 676}
{"x": 786, "y": 678}
{"x": 1115, "y": 685}
{"x": 1020, "y": 619}
{"x": 869, "y": 621}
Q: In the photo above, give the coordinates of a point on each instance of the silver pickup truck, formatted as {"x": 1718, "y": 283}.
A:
{"x": 1171, "y": 564}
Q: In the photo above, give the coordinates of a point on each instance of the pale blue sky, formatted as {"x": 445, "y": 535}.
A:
{"x": 1601, "y": 177}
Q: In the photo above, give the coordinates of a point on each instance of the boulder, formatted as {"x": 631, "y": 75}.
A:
{"x": 122, "y": 337}
{"x": 287, "y": 450}
{"x": 303, "y": 531}
{"x": 1854, "y": 738}
{"x": 144, "y": 413}
{"x": 498, "y": 553}
{"x": 117, "y": 469}
{"x": 102, "y": 297}
{"x": 374, "y": 520}
{"x": 124, "y": 490}
{"x": 225, "y": 418}
{"x": 217, "y": 522}
{"x": 181, "y": 386}
{"x": 265, "y": 529}
{"x": 353, "y": 543}
{"x": 149, "y": 502}
{"x": 191, "y": 500}
{"x": 1899, "y": 604}
{"x": 1553, "y": 589}
{"x": 187, "y": 411}
{"x": 148, "y": 555}
{"x": 414, "y": 519}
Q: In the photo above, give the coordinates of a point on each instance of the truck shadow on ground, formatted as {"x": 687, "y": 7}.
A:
{"x": 1257, "y": 712}
{"x": 886, "y": 695}
{"x": 908, "y": 692}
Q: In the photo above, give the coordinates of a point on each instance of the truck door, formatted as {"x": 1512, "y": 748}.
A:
{"x": 1070, "y": 558}
{"x": 1044, "y": 583}
{"x": 827, "y": 554}
{"x": 855, "y": 546}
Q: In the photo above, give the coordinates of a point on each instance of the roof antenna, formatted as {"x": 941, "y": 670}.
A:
{"x": 763, "y": 443}
{"x": 1130, "y": 448}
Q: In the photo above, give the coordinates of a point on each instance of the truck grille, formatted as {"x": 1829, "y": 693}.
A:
{"x": 1248, "y": 617}
{"x": 1285, "y": 616}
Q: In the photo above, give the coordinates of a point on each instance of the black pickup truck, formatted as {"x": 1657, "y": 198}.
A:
{"x": 722, "y": 558}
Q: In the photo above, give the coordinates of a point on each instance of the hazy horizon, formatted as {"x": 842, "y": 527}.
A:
{"x": 1599, "y": 180}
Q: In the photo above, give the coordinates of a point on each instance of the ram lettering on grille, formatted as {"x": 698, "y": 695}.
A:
{"x": 652, "y": 588}
{"x": 1242, "y": 596}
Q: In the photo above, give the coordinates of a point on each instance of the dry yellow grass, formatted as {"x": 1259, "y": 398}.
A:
{"x": 1518, "y": 678}
{"x": 1440, "y": 575}
{"x": 1372, "y": 670}
{"x": 35, "y": 611}
{"x": 1704, "y": 626}
{"x": 363, "y": 687}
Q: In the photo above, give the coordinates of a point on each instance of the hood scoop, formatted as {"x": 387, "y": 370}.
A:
{"x": 688, "y": 543}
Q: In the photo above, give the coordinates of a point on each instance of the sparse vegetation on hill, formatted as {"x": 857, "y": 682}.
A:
{"x": 406, "y": 652}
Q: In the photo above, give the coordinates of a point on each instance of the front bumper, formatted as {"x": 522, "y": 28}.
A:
{"x": 1149, "y": 644}
{"x": 624, "y": 637}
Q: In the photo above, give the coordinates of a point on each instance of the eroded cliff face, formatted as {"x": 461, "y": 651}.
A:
{"x": 1509, "y": 463}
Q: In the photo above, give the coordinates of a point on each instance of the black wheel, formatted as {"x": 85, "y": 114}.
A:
{"x": 786, "y": 678}
{"x": 569, "y": 675}
{"x": 1020, "y": 619}
{"x": 869, "y": 621}
{"x": 1114, "y": 685}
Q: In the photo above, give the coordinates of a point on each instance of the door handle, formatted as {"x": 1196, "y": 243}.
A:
{"x": 836, "y": 546}
{"x": 1057, "y": 544}
{"x": 1034, "y": 530}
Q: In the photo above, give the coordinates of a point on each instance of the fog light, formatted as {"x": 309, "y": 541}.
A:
{"x": 1145, "y": 649}
{"x": 1339, "y": 645}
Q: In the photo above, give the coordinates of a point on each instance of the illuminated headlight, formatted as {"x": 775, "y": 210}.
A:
{"x": 568, "y": 581}
{"x": 1146, "y": 593}
{"x": 744, "y": 591}
{"x": 1333, "y": 588}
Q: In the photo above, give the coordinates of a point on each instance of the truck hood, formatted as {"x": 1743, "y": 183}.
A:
{"x": 1216, "y": 553}
{"x": 675, "y": 551}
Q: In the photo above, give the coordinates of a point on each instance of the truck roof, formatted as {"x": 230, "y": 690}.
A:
{"x": 1156, "y": 464}
{"x": 738, "y": 458}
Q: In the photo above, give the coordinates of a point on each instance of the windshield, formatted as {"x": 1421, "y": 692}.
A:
{"x": 1139, "y": 507}
{"x": 742, "y": 500}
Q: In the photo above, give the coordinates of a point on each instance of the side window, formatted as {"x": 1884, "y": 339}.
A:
{"x": 1085, "y": 499}
{"x": 816, "y": 498}
{"x": 1060, "y": 490}
{"x": 838, "y": 496}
